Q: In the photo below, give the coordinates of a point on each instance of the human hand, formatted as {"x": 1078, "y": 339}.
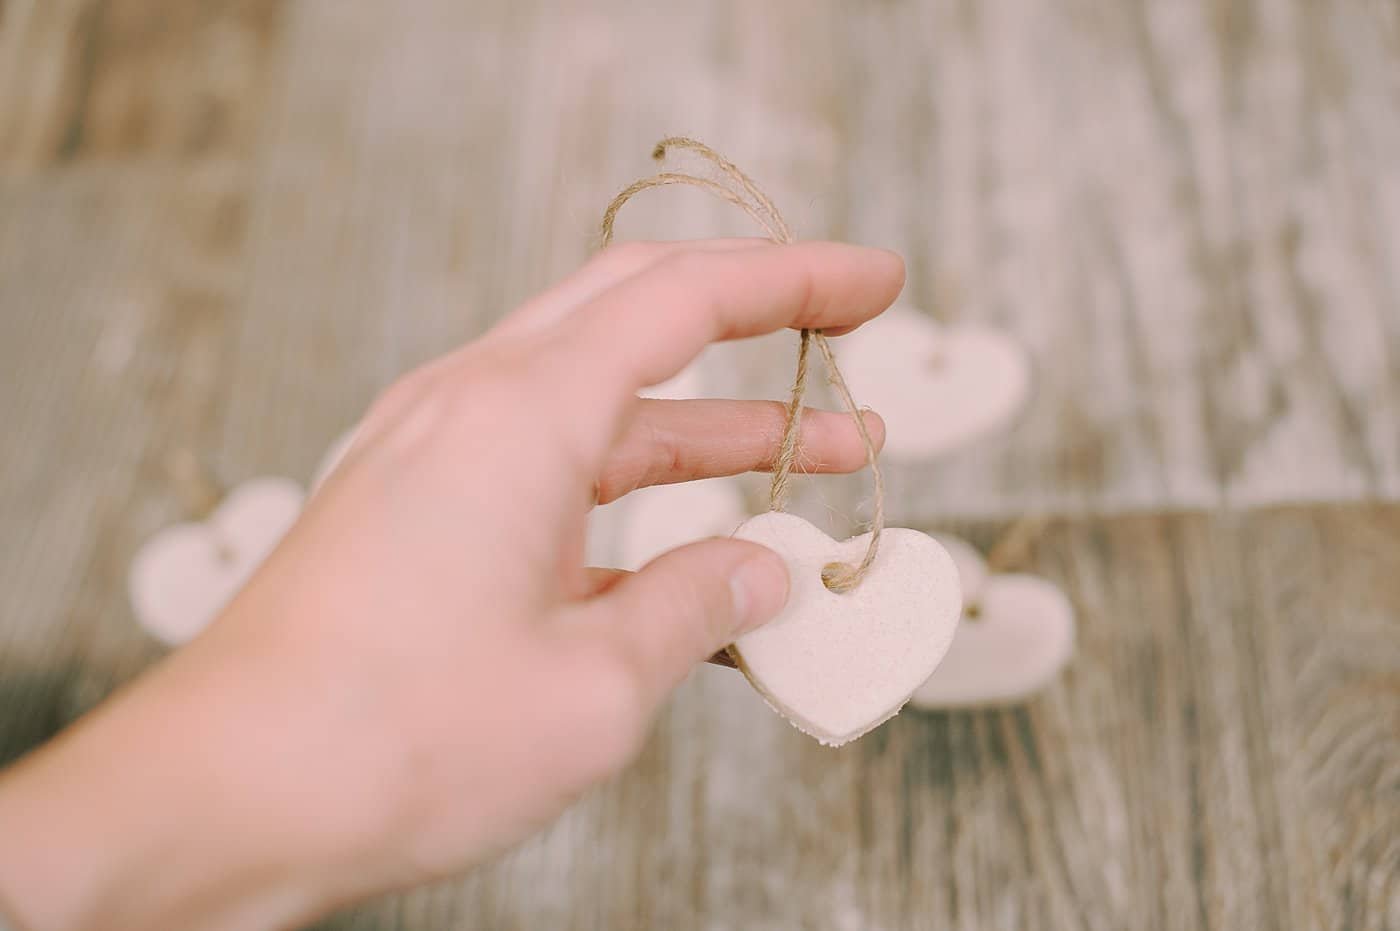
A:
{"x": 424, "y": 672}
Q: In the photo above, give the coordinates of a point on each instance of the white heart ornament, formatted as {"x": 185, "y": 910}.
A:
{"x": 839, "y": 665}
{"x": 937, "y": 387}
{"x": 663, "y": 517}
{"x": 1016, "y": 634}
{"x": 185, "y": 575}
{"x": 972, "y": 567}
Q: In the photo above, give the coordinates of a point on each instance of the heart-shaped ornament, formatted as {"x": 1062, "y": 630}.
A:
{"x": 839, "y": 665}
{"x": 937, "y": 387}
{"x": 1016, "y": 634}
{"x": 663, "y": 517}
{"x": 185, "y": 575}
{"x": 972, "y": 566}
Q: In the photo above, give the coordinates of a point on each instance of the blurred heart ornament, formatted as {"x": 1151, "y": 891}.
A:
{"x": 186, "y": 574}
{"x": 663, "y": 517}
{"x": 938, "y": 387}
{"x": 1016, "y": 634}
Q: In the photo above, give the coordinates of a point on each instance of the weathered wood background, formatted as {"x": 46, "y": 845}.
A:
{"x": 225, "y": 225}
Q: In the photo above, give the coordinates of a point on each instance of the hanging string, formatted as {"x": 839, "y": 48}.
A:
{"x": 742, "y": 192}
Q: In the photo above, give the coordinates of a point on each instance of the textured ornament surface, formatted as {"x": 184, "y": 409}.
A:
{"x": 839, "y": 665}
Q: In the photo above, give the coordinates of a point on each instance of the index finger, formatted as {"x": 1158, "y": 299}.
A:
{"x": 647, "y": 328}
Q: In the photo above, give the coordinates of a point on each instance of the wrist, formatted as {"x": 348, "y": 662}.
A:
{"x": 214, "y": 793}
{"x": 121, "y": 824}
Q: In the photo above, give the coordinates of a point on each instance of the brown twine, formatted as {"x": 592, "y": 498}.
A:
{"x": 839, "y": 577}
{"x": 199, "y": 491}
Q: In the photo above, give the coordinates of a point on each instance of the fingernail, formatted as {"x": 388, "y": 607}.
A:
{"x": 759, "y": 586}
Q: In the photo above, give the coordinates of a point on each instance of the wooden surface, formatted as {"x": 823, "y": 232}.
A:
{"x": 224, "y": 226}
{"x": 1222, "y": 754}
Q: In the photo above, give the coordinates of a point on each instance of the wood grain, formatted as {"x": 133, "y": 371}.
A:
{"x": 1222, "y": 753}
{"x": 225, "y": 226}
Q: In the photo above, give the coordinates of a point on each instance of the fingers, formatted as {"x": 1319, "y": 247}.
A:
{"x": 647, "y": 327}
{"x": 686, "y": 605}
{"x": 606, "y": 269}
{"x": 679, "y": 441}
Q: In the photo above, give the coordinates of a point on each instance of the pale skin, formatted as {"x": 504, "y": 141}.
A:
{"x": 425, "y": 673}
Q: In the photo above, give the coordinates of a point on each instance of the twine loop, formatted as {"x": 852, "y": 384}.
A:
{"x": 737, "y": 188}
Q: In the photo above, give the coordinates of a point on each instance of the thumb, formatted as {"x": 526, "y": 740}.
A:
{"x": 688, "y": 603}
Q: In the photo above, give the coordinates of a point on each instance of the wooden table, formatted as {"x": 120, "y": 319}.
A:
{"x": 225, "y": 226}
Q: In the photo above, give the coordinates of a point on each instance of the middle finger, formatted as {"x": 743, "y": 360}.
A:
{"x": 679, "y": 441}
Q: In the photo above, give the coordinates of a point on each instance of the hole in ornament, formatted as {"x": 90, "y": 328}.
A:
{"x": 972, "y": 611}
{"x": 936, "y": 361}
{"x": 834, "y": 575}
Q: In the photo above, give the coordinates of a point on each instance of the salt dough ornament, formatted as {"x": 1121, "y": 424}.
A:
{"x": 185, "y": 575}
{"x": 839, "y": 665}
{"x": 937, "y": 387}
{"x": 663, "y": 517}
{"x": 1017, "y": 633}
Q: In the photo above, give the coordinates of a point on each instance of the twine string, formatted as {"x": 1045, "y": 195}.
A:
{"x": 742, "y": 192}
{"x": 200, "y": 492}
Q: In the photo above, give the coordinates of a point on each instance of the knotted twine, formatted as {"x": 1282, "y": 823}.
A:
{"x": 739, "y": 189}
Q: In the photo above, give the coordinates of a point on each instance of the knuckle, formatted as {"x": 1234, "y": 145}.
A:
{"x": 429, "y": 417}
{"x": 666, "y": 454}
{"x": 688, "y": 263}
{"x": 804, "y": 291}
{"x": 697, "y": 306}
{"x": 443, "y": 410}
